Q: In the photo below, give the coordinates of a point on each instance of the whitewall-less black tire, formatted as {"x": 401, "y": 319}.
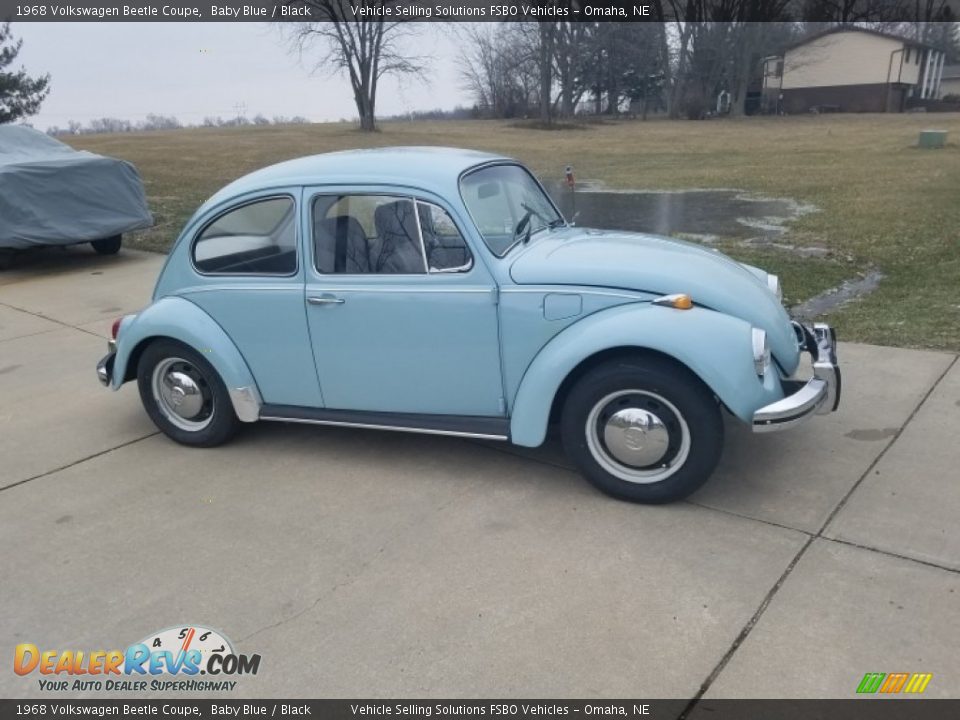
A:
{"x": 108, "y": 246}
{"x": 184, "y": 396}
{"x": 643, "y": 429}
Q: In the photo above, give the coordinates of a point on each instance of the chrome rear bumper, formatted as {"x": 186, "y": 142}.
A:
{"x": 105, "y": 366}
{"x": 818, "y": 396}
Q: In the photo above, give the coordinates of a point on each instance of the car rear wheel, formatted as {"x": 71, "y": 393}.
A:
{"x": 184, "y": 395}
{"x": 643, "y": 429}
{"x": 108, "y": 246}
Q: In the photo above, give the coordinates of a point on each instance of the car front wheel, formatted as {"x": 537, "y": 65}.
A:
{"x": 184, "y": 395}
{"x": 643, "y": 429}
{"x": 108, "y": 246}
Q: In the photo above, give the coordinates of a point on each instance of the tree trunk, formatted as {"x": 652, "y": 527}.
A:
{"x": 679, "y": 79}
{"x": 546, "y": 69}
{"x": 745, "y": 44}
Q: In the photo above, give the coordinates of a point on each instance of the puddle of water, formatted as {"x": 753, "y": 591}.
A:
{"x": 836, "y": 297}
{"x": 704, "y": 215}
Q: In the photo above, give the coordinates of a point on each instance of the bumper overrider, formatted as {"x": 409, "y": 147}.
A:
{"x": 105, "y": 366}
{"x": 818, "y": 396}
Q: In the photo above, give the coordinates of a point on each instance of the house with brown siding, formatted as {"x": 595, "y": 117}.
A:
{"x": 852, "y": 69}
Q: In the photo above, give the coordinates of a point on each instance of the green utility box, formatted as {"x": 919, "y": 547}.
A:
{"x": 932, "y": 138}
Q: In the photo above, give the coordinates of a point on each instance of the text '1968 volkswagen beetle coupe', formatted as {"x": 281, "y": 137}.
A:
{"x": 441, "y": 291}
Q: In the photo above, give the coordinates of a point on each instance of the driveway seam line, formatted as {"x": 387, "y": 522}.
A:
{"x": 889, "y": 553}
{"x": 762, "y": 521}
{"x": 893, "y": 441}
{"x": 29, "y": 335}
{"x": 51, "y": 319}
{"x": 768, "y": 598}
{"x": 77, "y": 462}
{"x": 745, "y": 631}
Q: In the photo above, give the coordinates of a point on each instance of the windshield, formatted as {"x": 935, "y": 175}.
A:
{"x": 507, "y": 205}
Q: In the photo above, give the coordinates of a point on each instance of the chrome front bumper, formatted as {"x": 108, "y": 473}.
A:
{"x": 818, "y": 396}
{"x": 105, "y": 366}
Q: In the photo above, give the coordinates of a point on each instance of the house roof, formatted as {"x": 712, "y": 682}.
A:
{"x": 857, "y": 28}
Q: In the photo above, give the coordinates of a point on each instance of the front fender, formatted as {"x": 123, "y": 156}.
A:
{"x": 179, "y": 319}
{"x": 714, "y": 346}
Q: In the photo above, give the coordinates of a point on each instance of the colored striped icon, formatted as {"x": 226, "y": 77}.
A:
{"x": 891, "y": 683}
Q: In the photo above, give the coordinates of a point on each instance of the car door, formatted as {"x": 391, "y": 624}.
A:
{"x": 402, "y": 315}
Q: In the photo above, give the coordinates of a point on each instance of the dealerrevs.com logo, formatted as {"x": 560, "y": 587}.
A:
{"x": 169, "y": 660}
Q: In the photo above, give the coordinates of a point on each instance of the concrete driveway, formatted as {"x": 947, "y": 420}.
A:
{"x": 361, "y": 563}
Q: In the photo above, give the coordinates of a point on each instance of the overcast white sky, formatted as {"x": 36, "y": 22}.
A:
{"x": 191, "y": 70}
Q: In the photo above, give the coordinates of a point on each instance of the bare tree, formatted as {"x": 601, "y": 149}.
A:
{"x": 362, "y": 45}
{"x": 498, "y": 66}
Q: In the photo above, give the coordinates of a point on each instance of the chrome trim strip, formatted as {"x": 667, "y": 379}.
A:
{"x": 318, "y": 287}
{"x": 246, "y": 403}
{"x": 423, "y": 250}
{"x": 397, "y": 428}
{"x": 219, "y": 287}
{"x": 574, "y": 289}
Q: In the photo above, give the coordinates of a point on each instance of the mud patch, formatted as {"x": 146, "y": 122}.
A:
{"x": 834, "y": 298}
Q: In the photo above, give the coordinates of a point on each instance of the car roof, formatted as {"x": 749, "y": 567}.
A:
{"x": 431, "y": 168}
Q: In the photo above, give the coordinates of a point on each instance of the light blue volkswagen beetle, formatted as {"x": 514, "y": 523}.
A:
{"x": 441, "y": 291}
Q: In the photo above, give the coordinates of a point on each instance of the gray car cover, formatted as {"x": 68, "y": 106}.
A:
{"x": 51, "y": 194}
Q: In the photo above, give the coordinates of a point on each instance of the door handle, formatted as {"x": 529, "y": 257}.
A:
{"x": 325, "y": 299}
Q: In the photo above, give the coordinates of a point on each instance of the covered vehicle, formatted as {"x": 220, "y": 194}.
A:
{"x": 51, "y": 194}
{"x": 441, "y": 291}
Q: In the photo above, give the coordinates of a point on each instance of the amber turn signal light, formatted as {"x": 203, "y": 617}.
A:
{"x": 678, "y": 301}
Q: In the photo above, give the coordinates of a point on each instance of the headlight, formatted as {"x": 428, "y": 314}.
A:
{"x": 773, "y": 282}
{"x": 761, "y": 352}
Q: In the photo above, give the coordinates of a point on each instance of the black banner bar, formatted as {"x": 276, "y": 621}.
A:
{"x": 413, "y": 11}
{"x": 873, "y": 708}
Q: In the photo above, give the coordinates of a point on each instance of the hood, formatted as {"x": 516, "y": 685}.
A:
{"x": 659, "y": 265}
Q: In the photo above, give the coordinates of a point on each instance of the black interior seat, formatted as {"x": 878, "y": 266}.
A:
{"x": 341, "y": 246}
{"x": 397, "y": 248}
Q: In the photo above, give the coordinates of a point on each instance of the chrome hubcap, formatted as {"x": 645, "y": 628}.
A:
{"x": 182, "y": 394}
{"x": 637, "y": 436}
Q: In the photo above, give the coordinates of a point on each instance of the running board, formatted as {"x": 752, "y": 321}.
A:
{"x": 487, "y": 428}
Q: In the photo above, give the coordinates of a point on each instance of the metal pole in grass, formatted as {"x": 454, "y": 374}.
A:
{"x": 572, "y": 184}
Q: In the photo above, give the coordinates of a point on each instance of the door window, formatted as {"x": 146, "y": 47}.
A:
{"x": 385, "y": 234}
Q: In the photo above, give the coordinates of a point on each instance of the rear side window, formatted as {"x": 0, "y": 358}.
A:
{"x": 258, "y": 238}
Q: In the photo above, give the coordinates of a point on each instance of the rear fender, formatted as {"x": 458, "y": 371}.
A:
{"x": 714, "y": 346}
{"x": 178, "y": 319}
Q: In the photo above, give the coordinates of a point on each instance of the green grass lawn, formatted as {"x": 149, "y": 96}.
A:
{"x": 883, "y": 203}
